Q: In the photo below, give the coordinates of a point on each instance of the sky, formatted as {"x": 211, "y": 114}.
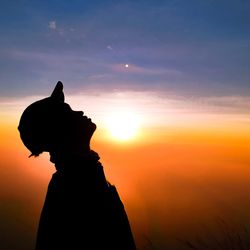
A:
{"x": 181, "y": 67}
{"x": 194, "y": 48}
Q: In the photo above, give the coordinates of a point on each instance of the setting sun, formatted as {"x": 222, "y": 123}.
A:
{"x": 123, "y": 125}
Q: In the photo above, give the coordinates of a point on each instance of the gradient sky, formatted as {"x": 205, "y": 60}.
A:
{"x": 191, "y": 48}
{"x": 187, "y": 80}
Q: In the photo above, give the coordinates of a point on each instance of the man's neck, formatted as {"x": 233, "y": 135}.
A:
{"x": 65, "y": 159}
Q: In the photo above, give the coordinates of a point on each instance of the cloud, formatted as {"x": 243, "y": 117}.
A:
{"x": 153, "y": 109}
{"x": 224, "y": 104}
{"x": 131, "y": 68}
{"x": 52, "y": 25}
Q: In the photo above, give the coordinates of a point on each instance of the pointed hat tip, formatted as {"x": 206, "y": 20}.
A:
{"x": 59, "y": 84}
{"x": 57, "y": 93}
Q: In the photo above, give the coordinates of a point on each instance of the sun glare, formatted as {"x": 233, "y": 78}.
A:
{"x": 123, "y": 125}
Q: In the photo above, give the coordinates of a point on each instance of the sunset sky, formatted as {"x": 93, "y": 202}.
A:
{"x": 176, "y": 71}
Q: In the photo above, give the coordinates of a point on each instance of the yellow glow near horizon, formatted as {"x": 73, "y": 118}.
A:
{"x": 122, "y": 125}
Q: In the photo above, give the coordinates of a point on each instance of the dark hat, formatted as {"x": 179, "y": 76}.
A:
{"x": 39, "y": 122}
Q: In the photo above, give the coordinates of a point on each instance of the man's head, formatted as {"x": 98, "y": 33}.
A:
{"x": 51, "y": 125}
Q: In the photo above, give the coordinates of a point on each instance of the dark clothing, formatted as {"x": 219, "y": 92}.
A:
{"x": 83, "y": 211}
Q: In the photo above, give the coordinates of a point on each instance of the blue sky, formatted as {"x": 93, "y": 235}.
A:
{"x": 188, "y": 48}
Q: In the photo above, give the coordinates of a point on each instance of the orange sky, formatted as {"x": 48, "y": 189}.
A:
{"x": 172, "y": 180}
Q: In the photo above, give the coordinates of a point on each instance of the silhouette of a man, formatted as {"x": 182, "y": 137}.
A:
{"x": 81, "y": 210}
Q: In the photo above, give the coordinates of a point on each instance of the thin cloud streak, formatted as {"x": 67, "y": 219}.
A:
{"x": 152, "y": 109}
{"x": 135, "y": 69}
